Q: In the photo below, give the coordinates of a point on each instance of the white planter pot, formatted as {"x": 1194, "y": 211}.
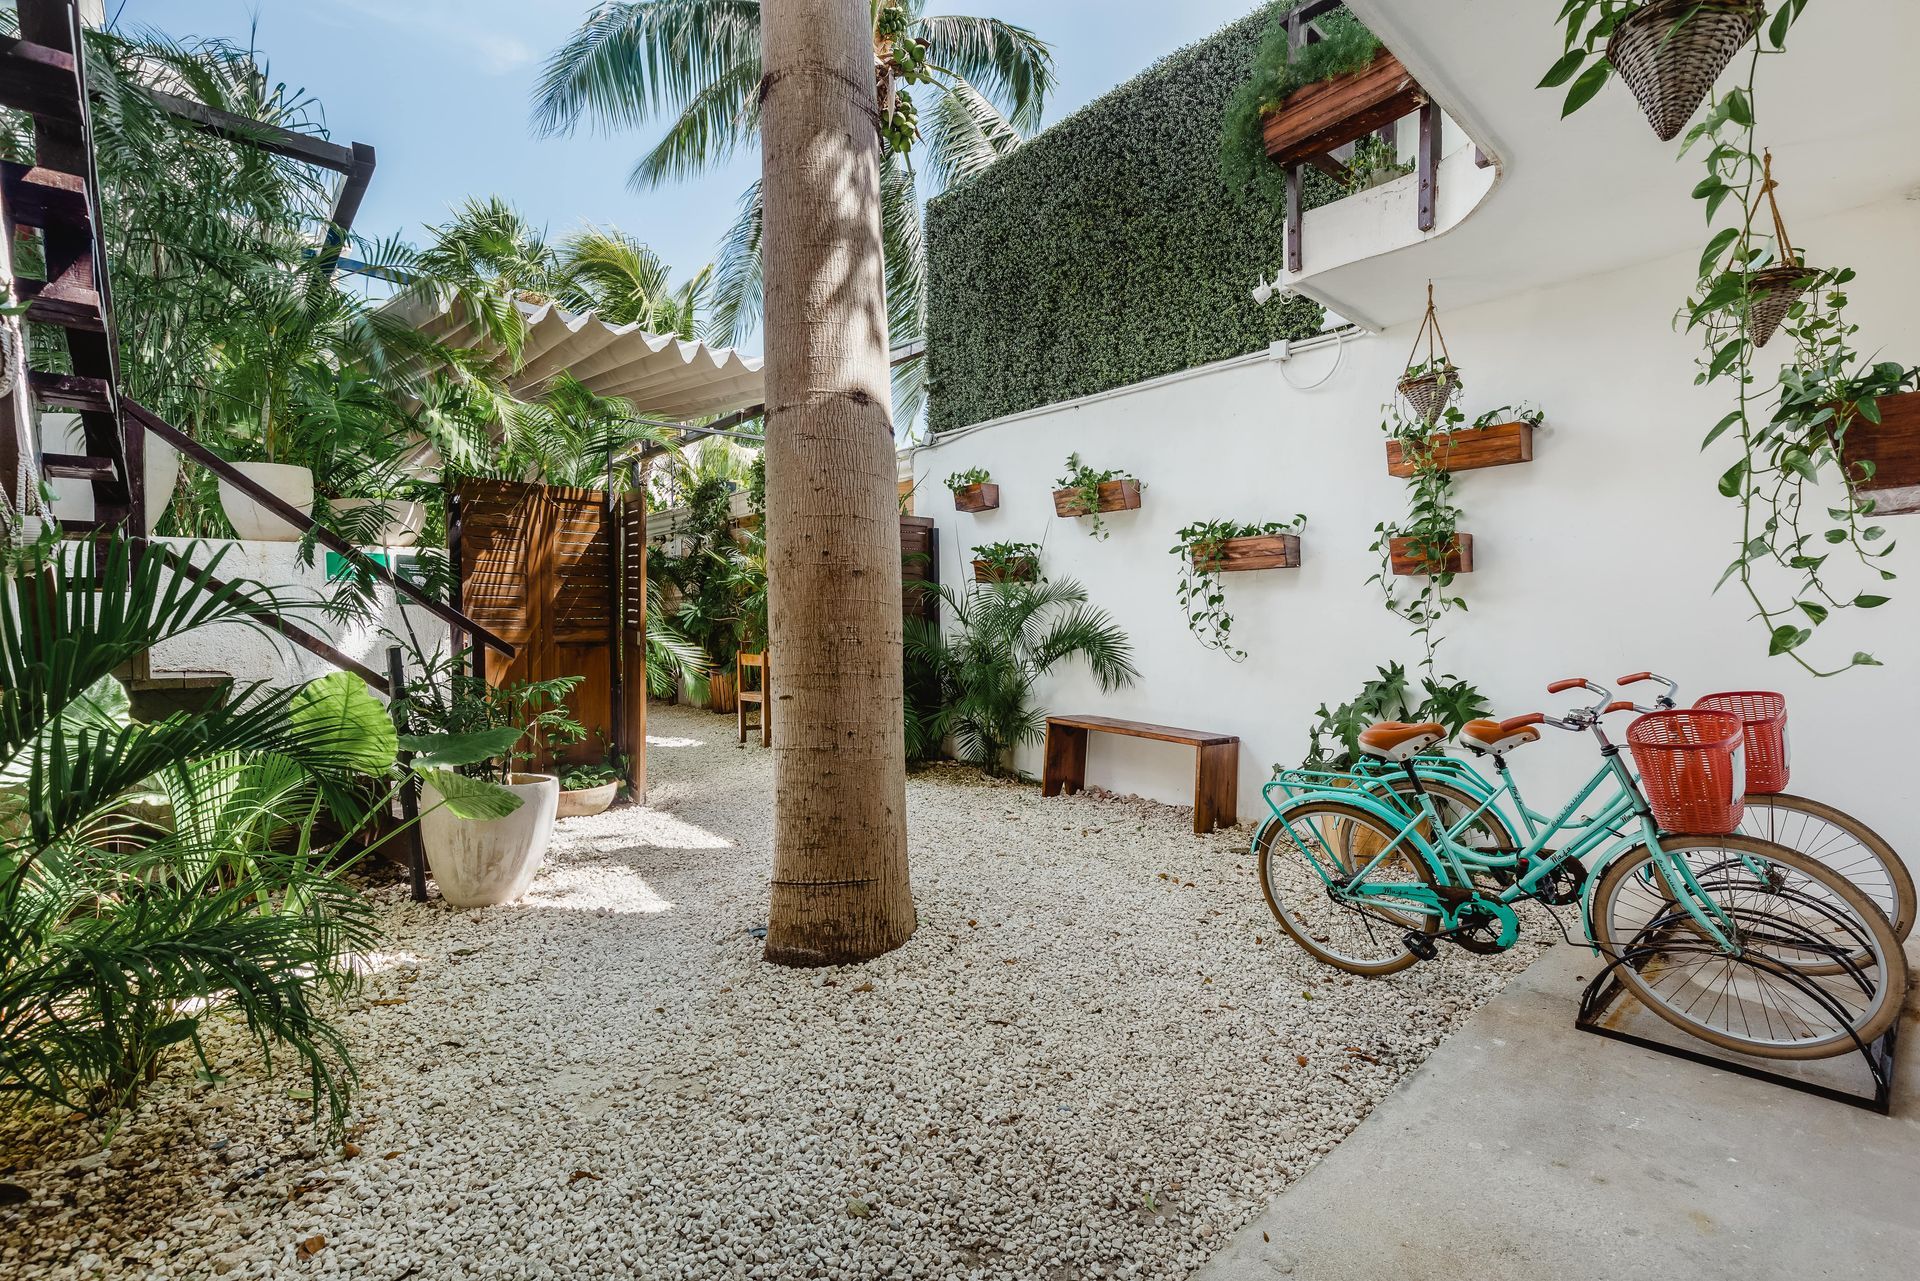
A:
{"x": 254, "y": 523}
{"x": 482, "y": 863}
{"x": 162, "y": 473}
{"x": 587, "y": 800}
{"x": 403, "y": 524}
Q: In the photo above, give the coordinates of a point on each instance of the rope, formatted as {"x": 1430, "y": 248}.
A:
{"x": 1430, "y": 330}
{"x": 1768, "y": 185}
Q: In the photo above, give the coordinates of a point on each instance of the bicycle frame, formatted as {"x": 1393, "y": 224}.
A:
{"x": 1452, "y": 861}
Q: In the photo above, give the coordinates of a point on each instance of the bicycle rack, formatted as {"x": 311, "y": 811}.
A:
{"x": 1605, "y": 989}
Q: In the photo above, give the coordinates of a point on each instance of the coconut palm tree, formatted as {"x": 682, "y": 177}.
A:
{"x": 698, "y": 63}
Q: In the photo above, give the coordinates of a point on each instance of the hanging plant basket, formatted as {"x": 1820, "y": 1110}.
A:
{"x": 1772, "y": 291}
{"x": 1431, "y": 384}
{"x": 1670, "y": 52}
{"x": 1431, "y": 392}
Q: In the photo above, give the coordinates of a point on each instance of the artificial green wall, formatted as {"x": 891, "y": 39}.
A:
{"x": 1108, "y": 250}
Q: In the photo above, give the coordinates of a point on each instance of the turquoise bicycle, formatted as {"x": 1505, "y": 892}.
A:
{"x": 1492, "y": 812}
{"x": 1741, "y": 942}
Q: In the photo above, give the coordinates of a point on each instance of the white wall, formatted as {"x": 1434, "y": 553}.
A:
{"x": 1597, "y": 558}
{"x": 251, "y": 654}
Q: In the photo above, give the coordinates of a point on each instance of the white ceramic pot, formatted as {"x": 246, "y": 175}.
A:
{"x": 478, "y": 863}
{"x": 587, "y": 800}
{"x": 403, "y": 522}
{"x": 254, "y": 523}
{"x": 162, "y": 474}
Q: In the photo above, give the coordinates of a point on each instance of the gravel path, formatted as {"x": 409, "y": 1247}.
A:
{"x": 1094, "y": 1059}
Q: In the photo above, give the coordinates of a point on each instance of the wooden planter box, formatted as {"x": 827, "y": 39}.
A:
{"x": 1408, "y": 562}
{"x": 1470, "y": 448}
{"x": 1115, "y": 496}
{"x": 982, "y": 497}
{"x": 1024, "y": 570}
{"x": 1266, "y": 551}
{"x": 1893, "y": 444}
{"x": 1316, "y": 118}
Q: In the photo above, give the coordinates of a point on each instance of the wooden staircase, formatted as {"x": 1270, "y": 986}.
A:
{"x": 43, "y": 74}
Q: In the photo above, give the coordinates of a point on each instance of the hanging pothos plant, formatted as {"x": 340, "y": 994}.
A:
{"x": 1798, "y": 501}
{"x": 1431, "y": 530}
{"x": 1202, "y": 597}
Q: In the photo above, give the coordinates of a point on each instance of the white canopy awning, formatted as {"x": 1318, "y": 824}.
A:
{"x": 659, "y": 375}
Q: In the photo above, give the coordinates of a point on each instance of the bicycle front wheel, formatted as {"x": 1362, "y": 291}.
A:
{"x": 1359, "y": 937}
{"x": 1814, "y": 963}
{"x": 1842, "y": 842}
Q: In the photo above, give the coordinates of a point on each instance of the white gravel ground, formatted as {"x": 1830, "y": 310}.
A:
{"x": 1094, "y": 1059}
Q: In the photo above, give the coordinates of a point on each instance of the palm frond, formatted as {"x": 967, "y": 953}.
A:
{"x": 1008, "y": 65}
{"x": 628, "y": 62}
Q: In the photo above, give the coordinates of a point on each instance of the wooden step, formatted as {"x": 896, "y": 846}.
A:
{"x": 43, "y": 198}
{"x": 38, "y": 80}
{"x": 70, "y": 391}
{"x": 78, "y": 467}
{"x": 61, "y": 305}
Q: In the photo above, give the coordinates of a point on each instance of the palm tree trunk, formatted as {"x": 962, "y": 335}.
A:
{"x": 840, "y": 890}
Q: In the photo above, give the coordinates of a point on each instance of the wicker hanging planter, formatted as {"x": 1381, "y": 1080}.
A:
{"x": 1671, "y": 51}
{"x": 1430, "y": 386}
{"x": 1772, "y": 291}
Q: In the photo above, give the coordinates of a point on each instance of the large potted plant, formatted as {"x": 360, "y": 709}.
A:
{"x": 481, "y": 862}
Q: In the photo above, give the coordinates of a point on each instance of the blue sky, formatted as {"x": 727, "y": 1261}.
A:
{"x": 440, "y": 88}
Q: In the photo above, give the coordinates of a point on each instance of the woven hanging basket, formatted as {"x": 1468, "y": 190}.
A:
{"x": 1671, "y": 65}
{"x": 1430, "y": 393}
{"x": 1773, "y": 291}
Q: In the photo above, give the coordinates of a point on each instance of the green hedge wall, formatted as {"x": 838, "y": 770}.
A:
{"x": 1108, "y": 250}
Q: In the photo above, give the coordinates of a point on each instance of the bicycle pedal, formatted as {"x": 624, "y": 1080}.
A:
{"x": 1420, "y": 945}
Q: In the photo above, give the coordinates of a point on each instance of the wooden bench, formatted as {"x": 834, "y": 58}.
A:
{"x": 1216, "y": 770}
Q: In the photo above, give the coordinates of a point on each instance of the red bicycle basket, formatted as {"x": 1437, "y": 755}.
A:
{"x": 1690, "y": 767}
{"x": 1765, "y": 717}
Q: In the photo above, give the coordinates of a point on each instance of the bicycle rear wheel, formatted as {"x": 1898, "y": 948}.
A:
{"x": 1361, "y": 938}
{"x": 1842, "y": 842}
{"x": 1817, "y": 964}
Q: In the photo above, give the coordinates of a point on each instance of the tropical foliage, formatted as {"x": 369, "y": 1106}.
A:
{"x": 980, "y": 672}
{"x": 1108, "y": 250}
{"x": 1390, "y": 696}
{"x": 1346, "y": 46}
{"x": 697, "y": 63}
{"x": 159, "y": 876}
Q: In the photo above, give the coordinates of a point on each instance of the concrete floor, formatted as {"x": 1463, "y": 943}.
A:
{"x": 1526, "y": 1149}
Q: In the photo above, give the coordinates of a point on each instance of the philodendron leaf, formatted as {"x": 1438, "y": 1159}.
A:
{"x": 339, "y": 718}
{"x": 470, "y": 798}
{"x": 444, "y": 751}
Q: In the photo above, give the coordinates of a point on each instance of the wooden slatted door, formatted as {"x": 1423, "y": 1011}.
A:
{"x": 537, "y": 566}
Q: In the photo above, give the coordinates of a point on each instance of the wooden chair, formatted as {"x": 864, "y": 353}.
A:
{"x": 758, "y": 697}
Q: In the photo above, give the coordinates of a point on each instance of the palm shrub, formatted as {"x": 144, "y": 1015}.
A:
{"x": 1003, "y": 639}
{"x": 123, "y": 933}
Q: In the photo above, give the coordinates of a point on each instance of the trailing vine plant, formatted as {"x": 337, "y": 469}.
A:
{"x": 1790, "y": 531}
{"x": 1431, "y": 528}
{"x": 1085, "y": 483}
{"x": 1202, "y": 597}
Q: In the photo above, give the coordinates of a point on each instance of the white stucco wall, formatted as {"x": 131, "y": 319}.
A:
{"x": 1597, "y": 558}
{"x": 251, "y": 654}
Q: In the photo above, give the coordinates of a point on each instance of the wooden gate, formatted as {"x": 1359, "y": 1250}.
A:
{"x": 537, "y": 565}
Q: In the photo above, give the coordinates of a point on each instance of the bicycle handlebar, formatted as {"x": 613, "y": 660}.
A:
{"x": 1666, "y": 700}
